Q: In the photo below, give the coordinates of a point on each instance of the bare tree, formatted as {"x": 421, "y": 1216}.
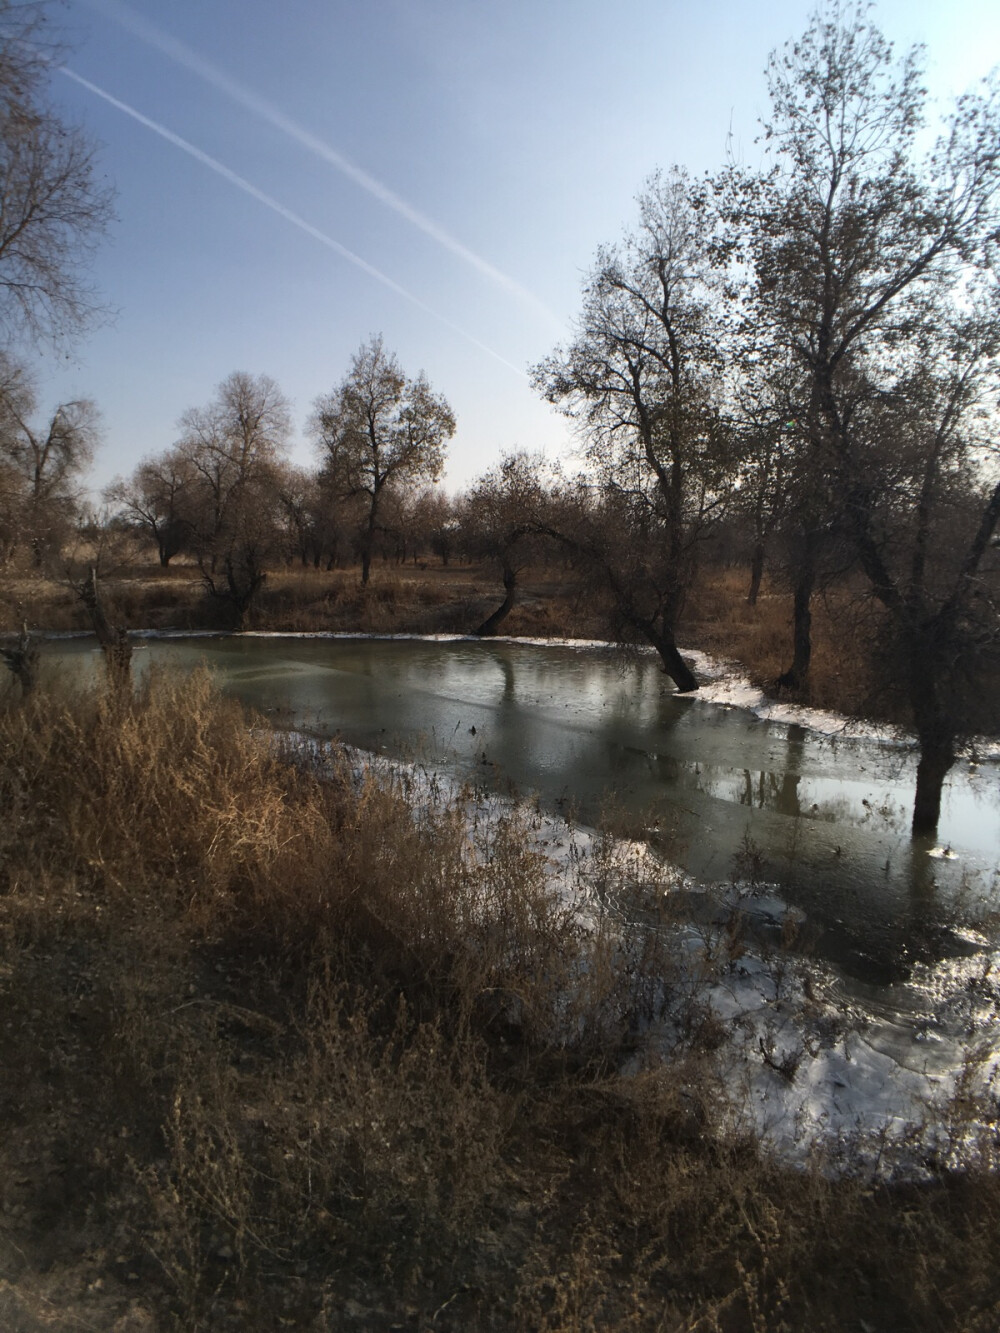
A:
{"x": 11, "y": 511}
{"x": 505, "y": 512}
{"x": 920, "y": 476}
{"x": 159, "y": 499}
{"x": 53, "y": 207}
{"x": 642, "y": 379}
{"x": 22, "y": 660}
{"x": 432, "y": 524}
{"x": 114, "y": 639}
{"x": 234, "y": 447}
{"x": 379, "y": 430}
{"x": 43, "y": 464}
{"x": 845, "y": 235}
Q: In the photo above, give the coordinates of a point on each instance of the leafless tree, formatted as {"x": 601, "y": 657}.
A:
{"x": 642, "y": 378}
{"x": 377, "y": 431}
{"x": 504, "y": 514}
{"x": 22, "y": 660}
{"x": 159, "y": 498}
{"x": 54, "y": 209}
{"x": 234, "y": 447}
{"x": 43, "y": 464}
{"x": 844, "y": 236}
{"x": 919, "y": 473}
{"x": 432, "y": 524}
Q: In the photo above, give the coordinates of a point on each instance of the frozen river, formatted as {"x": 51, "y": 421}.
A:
{"x": 828, "y": 815}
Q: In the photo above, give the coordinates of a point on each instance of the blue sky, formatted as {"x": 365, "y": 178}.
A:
{"x": 469, "y": 156}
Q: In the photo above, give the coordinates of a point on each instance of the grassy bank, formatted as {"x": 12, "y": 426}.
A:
{"x": 278, "y": 1053}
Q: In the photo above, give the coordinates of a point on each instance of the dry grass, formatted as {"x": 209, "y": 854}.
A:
{"x": 846, "y": 623}
{"x": 400, "y": 599}
{"x": 281, "y": 1052}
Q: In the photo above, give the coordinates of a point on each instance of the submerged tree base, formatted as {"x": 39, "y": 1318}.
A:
{"x": 932, "y": 769}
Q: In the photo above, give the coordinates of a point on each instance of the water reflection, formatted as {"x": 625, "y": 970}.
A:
{"x": 779, "y": 791}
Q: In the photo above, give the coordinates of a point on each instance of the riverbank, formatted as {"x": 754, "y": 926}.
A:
{"x": 279, "y": 1053}
{"x": 454, "y": 599}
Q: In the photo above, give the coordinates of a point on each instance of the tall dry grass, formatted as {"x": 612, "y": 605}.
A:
{"x": 291, "y": 1052}
{"x": 847, "y": 626}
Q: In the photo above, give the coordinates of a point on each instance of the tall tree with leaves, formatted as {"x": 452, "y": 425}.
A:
{"x": 379, "y": 430}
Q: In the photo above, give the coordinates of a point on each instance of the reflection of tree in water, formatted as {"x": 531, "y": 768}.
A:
{"x": 788, "y": 793}
{"x": 886, "y": 812}
{"x": 499, "y": 738}
{"x": 920, "y": 870}
{"x": 778, "y": 791}
{"x": 508, "y": 696}
{"x": 584, "y": 726}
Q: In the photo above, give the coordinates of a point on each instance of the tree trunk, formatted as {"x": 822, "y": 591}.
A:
{"x": 756, "y": 573}
{"x": 22, "y": 662}
{"x": 797, "y": 675}
{"x": 490, "y": 624}
{"x": 935, "y": 761}
{"x": 930, "y": 701}
{"x": 244, "y": 579}
{"x": 673, "y": 664}
{"x": 114, "y": 639}
{"x": 368, "y": 538}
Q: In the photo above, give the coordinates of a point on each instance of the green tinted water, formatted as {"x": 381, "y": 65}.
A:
{"x": 830, "y": 818}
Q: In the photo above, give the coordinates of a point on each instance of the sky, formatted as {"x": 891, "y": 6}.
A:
{"x": 293, "y": 178}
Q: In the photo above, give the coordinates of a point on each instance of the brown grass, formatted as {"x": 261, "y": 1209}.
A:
{"x": 846, "y": 624}
{"x": 401, "y": 599}
{"x": 280, "y": 1052}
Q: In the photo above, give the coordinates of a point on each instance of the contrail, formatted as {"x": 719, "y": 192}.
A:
{"x": 237, "y": 92}
{"x": 275, "y": 206}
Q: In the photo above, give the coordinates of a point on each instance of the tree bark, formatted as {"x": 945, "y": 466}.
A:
{"x": 756, "y": 573}
{"x": 930, "y": 701}
{"x": 114, "y": 639}
{"x": 491, "y": 623}
{"x": 797, "y": 675}
{"x": 673, "y": 664}
{"x": 935, "y": 761}
{"x": 22, "y": 662}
